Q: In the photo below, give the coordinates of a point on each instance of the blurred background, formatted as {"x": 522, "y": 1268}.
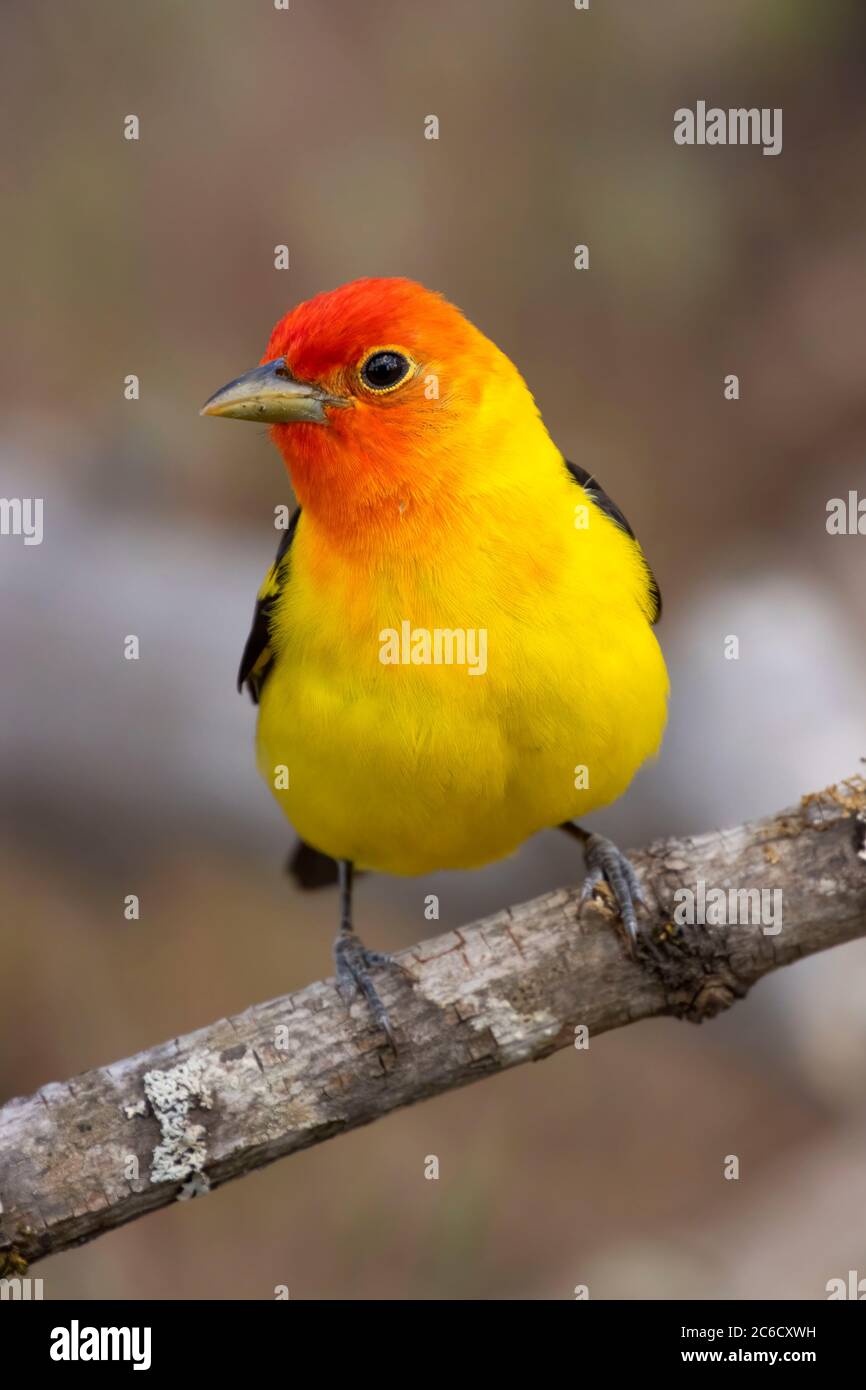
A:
{"x": 155, "y": 257}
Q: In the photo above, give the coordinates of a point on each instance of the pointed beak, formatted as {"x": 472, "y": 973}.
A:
{"x": 272, "y": 396}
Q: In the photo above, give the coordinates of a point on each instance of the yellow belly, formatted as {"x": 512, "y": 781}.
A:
{"x": 408, "y": 768}
{"x": 411, "y": 768}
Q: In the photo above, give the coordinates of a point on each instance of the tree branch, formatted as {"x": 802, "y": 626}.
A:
{"x": 83, "y": 1156}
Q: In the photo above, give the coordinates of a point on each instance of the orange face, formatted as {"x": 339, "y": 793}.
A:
{"x": 368, "y": 389}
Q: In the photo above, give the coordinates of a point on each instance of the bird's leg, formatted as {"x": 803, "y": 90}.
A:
{"x": 604, "y": 862}
{"x": 354, "y": 961}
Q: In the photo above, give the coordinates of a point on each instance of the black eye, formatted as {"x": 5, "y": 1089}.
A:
{"x": 384, "y": 370}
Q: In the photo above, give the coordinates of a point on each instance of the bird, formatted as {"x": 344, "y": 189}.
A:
{"x": 455, "y": 646}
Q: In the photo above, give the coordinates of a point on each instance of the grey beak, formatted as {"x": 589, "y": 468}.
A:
{"x": 271, "y": 395}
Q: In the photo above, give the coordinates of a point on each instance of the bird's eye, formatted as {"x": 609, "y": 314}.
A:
{"x": 385, "y": 369}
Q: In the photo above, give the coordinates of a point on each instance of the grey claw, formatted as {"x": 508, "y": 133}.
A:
{"x": 593, "y": 877}
{"x": 633, "y": 882}
{"x": 354, "y": 962}
{"x": 604, "y": 861}
{"x": 377, "y": 958}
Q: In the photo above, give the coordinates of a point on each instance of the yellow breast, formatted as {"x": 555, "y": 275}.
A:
{"x": 433, "y": 708}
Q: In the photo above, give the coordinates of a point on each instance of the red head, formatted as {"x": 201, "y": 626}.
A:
{"x": 381, "y": 397}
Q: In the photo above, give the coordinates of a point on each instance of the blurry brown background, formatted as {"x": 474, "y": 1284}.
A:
{"x": 260, "y": 127}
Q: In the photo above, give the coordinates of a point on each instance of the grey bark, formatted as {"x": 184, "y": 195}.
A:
{"x": 85, "y": 1155}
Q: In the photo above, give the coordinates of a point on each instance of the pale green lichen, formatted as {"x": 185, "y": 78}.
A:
{"x": 182, "y": 1152}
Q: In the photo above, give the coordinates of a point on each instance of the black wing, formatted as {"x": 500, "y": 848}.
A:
{"x": 309, "y": 867}
{"x": 258, "y": 657}
{"x": 609, "y": 507}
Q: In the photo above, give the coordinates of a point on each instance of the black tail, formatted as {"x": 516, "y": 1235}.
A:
{"x": 310, "y": 868}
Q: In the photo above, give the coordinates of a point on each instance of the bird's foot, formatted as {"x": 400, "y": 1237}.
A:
{"x": 354, "y": 962}
{"x": 606, "y": 863}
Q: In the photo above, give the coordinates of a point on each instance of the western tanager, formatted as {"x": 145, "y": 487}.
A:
{"x": 453, "y": 648}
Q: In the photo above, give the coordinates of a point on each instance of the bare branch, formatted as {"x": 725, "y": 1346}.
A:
{"x": 83, "y": 1156}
